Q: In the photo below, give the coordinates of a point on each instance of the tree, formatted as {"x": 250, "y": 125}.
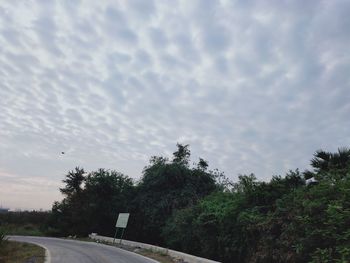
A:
{"x": 202, "y": 164}
{"x": 94, "y": 206}
{"x": 166, "y": 187}
{"x": 199, "y": 211}
{"x": 330, "y": 166}
{"x": 325, "y": 161}
{"x": 182, "y": 155}
{"x": 66, "y": 217}
{"x": 107, "y": 193}
{"x": 74, "y": 180}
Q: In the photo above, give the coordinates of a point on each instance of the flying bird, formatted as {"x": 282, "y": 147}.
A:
{"x": 62, "y": 152}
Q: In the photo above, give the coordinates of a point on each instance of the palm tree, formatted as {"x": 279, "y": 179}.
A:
{"x": 325, "y": 161}
{"x": 333, "y": 166}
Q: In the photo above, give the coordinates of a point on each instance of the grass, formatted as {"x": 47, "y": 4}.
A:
{"x": 16, "y": 252}
{"x": 160, "y": 257}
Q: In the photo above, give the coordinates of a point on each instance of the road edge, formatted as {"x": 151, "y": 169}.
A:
{"x": 111, "y": 246}
{"x": 177, "y": 255}
{"x": 47, "y": 254}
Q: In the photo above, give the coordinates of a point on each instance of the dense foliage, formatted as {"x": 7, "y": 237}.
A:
{"x": 33, "y": 223}
{"x": 301, "y": 217}
{"x": 91, "y": 203}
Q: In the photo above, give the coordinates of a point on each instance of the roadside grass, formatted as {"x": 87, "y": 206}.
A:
{"x": 160, "y": 257}
{"x": 17, "y": 252}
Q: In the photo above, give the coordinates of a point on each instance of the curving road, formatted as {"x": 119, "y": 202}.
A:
{"x": 72, "y": 251}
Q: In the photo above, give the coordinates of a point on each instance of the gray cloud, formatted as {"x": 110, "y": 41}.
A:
{"x": 252, "y": 86}
{"x": 158, "y": 38}
{"x": 142, "y": 9}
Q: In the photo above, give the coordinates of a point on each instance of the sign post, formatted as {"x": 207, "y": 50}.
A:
{"x": 122, "y": 222}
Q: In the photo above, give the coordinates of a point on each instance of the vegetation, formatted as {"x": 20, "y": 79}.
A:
{"x": 195, "y": 210}
{"x": 11, "y": 252}
{"x": 30, "y": 223}
{"x": 91, "y": 208}
{"x": 3, "y": 238}
{"x": 159, "y": 257}
{"x": 10, "y": 223}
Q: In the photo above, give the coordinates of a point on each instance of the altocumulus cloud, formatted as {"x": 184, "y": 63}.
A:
{"x": 252, "y": 86}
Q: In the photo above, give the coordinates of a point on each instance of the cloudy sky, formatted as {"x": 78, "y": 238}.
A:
{"x": 252, "y": 86}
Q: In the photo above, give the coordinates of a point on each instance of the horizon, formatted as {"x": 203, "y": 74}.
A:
{"x": 48, "y": 209}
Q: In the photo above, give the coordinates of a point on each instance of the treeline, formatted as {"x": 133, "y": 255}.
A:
{"x": 300, "y": 217}
{"x": 33, "y": 223}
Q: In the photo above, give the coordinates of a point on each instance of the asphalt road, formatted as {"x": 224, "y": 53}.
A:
{"x": 72, "y": 251}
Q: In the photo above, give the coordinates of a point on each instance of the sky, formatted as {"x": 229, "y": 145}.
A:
{"x": 252, "y": 87}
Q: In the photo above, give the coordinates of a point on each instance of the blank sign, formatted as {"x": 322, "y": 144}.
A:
{"x": 122, "y": 220}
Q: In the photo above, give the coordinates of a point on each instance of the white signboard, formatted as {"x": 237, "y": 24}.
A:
{"x": 122, "y": 220}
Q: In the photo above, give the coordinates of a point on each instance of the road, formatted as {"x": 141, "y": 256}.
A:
{"x": 72, "y": 251}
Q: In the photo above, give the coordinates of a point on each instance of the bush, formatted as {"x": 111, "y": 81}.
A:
{"x": 3, "y": 237}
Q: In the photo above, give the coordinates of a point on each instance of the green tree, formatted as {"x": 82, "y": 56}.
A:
{"x": 199, "y": 211}
{"x": 330, "y": 166}
{"x": 66, "y": 217}
{"x": 182, "y": 155}
{"x": 74, "y": 180}
{"x": 92, "y": 207}
{"x": 107, "y": 194}
{"x": 165, "y": 187}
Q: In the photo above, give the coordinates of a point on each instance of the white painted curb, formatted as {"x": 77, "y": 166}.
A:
{"x": 47, "y": 254}
{"x": 172, "y": 253}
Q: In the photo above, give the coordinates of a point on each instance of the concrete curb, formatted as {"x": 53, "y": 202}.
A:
{"x": 172, "y": 253}
{"x": 47, "y": 255}
{"x": 47, "y": 252}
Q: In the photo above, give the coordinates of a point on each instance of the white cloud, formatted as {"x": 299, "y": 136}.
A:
{"x": 252, "y": 86}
